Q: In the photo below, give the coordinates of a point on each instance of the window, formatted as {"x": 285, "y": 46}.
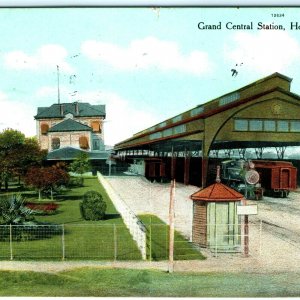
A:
{"x": 179, "y": 129}
{"x": 255, "y": 125}
{"x": 269, "y": 125}
{"x": 156, "y": 135}
{"x": 44, "y": 128}
{"x": 229, "y": 98}
{"x": 295, "y": 126}
{"x": 177, "y": 119}
{"x": 196, "y": 111}
{"x": 83, "y": 142}
{"x": 241, "y": 125}
{"x": 168, "y": 132}
{"x": 96, "y": 126}
{"x": 283, "y": 126}
{"x": 69, "y": 116}
{"x": 163, "y": 124}
{"x": 55, "y": 143}
{"x": 96, "y": 144}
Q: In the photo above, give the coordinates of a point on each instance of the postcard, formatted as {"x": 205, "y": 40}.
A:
{"x": 150, "y": 151}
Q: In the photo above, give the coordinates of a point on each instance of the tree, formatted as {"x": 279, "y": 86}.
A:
{"x": 17, "y": 154}
{"x": 29, "y": 154}
{"x": 46, "y": 178}
{"x": 93, "y": 206}
{"x": 81, "y": 164}
{"x": 10, "y": 141}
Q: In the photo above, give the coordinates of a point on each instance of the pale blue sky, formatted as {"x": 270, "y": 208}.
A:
{"x": 146, "y": 65}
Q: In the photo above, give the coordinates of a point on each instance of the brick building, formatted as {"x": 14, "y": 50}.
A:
{"x": 64, "y": 129}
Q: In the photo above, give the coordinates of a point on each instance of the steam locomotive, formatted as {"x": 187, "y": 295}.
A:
{"x": 258, "y": 177}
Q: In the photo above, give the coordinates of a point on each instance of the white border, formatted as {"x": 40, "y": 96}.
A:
{"x": 83, "y": 3}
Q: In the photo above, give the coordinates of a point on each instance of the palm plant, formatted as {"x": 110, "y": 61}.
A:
{"x": 13, "y": 211}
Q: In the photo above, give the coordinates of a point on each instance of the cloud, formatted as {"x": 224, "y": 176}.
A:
{"x": 66, "y": 94}
{"x": 122, "y": 119}
{"x": 264, "y": 52}
{"x": 146, "y": 53}
{"x": 46, "y": 57}
{"x": 16, "y": 115}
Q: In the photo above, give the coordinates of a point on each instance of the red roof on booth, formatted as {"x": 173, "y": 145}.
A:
{"x": 217, "y": 192}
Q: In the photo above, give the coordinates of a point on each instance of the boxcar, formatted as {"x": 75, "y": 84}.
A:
{"x": 278, "y": 178}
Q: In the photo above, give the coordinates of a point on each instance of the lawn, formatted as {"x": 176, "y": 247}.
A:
{"x": 151, "y": 283}
{"x": 101, "y": 240}
{"x": 107, "y": 239}
{"x": 158, "y": 241}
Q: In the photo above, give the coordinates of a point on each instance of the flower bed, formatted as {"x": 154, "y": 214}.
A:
{"x": 48, "y": 208}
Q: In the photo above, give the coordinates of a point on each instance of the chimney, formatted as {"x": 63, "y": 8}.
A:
{"x": 61, "y": 109}
{"x": 76, "y": 108}
{"x": 218, "y": 179}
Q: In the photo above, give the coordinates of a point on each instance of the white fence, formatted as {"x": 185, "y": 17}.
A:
{"x": 133, "y": 223}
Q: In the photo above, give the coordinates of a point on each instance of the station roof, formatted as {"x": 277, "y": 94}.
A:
{"x": 70, "y": 153}
{"x": 78, "y": 109}
{"x": 69, "y": 125}
{"x": 186, "y": 131}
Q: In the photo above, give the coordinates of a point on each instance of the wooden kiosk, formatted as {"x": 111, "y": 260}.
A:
{"x": 215, "y": 219}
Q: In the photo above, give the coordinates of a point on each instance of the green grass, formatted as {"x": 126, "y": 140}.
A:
{"x": 83, "y": 239}
{"x": 158, "y": 241}
{"x": 87, "y": 240}
{"x": 151, "y": 283}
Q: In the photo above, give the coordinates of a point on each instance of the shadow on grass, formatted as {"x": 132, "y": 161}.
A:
{"x": 67, "y": 197}
{"x": 112, "y": 216}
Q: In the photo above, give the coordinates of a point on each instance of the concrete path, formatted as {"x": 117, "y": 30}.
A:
{"x": 144, "y": 197}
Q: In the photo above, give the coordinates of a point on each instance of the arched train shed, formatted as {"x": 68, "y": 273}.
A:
{"x": 262, "y": 114}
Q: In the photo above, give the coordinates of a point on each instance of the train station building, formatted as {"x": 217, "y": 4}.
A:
{"x": 262, "y": 114}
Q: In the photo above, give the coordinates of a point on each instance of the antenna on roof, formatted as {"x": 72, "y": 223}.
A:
{"x": 58, "y": 92}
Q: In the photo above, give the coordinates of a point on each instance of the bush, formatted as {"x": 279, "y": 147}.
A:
{"x": 42, "y": 208}
{"x": 93, "y": 206}
{"x": 75, "y": 182}
{"x": 29, "y": 232}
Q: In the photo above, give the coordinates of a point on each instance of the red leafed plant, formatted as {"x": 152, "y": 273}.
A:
{"x": 43, "y": 208}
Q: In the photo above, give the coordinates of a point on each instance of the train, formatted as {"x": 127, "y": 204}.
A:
{"x": 260, "y": 177}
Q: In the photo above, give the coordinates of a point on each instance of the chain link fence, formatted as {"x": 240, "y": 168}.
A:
{"x": 80, "y": 241}
{"x": 101, "y": 242}
{"x": 114, "y": 243}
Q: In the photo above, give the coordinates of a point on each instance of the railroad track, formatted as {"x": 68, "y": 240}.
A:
{"x": 283, "y": 233}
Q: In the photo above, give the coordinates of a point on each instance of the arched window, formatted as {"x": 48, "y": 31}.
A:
{"x": 55, "y": 143}
{"x": 83, "y": 142}
{"x": 44, "y": 128}
{"x": 96, "y": 126}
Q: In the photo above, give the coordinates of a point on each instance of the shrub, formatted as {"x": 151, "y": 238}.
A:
{"x": 29, "y": 232}
{"x": 42, "y": 208}
{"x": 75, "y": 182}
{"x": 13, "y": 211}
{"x": 93, "y": 206}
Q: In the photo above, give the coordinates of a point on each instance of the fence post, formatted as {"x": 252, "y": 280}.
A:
{"x": 63, "y": 241}
{"x": 10, "y": 242}
{"x": 216, "y": 241}
{"x": 115, "y": 243}
{"x": 150, "y": 233}
{"x": 260, "y": 237}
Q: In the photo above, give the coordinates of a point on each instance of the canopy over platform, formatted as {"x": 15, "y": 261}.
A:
{"x": 262, "y": 114}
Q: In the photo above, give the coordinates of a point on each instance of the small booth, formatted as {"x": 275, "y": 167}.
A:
{"x": 215, "y": 220}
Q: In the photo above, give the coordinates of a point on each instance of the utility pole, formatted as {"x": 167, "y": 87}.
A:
{"x": 171, "y": 224}
{"x": 58, "y": 91}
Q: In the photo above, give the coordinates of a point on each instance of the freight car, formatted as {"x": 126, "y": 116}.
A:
{"x": 278, "y": 178}
{"x": 275, "y": 178}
